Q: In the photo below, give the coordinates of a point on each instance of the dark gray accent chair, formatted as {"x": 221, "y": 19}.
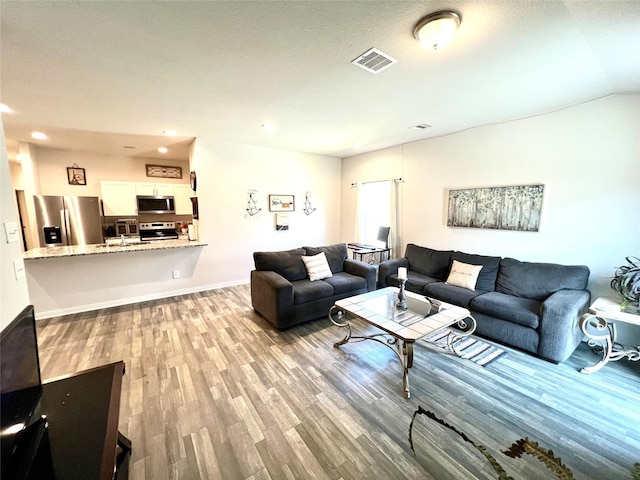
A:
{"x": 532, "y": 306}
{"x": 283, "y": 294}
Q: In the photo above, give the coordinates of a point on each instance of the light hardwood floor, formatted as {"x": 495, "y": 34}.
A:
{"x": 212, "y": 391}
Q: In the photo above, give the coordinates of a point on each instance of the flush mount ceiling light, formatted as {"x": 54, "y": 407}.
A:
{"x": 163, "y": 150}
{"x": 437, "y": 29}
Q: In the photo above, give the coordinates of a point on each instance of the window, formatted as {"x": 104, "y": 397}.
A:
{"x": 374, "y": 201}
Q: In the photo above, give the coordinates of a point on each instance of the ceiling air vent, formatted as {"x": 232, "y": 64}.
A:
{"x": 374, "y": 60}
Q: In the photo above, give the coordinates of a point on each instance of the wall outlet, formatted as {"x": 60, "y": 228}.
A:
{"x": 175, "y": 273}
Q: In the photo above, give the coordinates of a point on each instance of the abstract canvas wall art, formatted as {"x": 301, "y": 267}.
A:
{"x": 502, "y": 208}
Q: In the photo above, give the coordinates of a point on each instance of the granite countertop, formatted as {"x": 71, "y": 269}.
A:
{"x": 102, "y": 249}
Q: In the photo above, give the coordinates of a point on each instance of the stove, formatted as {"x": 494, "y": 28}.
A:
{"x": 158, "y": 231}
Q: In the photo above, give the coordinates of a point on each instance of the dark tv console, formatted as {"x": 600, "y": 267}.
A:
{"x": 82, "y": 412}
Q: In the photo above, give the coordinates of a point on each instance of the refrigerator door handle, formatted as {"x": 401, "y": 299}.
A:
{"x": 64, "y": 223}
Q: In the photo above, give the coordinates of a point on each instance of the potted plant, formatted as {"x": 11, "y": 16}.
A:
{"x": 626, "y": 283}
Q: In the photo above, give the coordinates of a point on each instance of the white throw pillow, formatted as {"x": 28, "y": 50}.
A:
{"x": 463, "y": 275}
{"x": 317, "y": 266}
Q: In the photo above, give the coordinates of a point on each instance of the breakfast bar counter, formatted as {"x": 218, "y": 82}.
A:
{"x": 103, "y": 249}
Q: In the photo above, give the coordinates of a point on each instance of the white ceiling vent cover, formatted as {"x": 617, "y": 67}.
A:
{"x": 374, "y": 61}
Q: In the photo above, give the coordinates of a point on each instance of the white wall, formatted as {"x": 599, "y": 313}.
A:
{"x": 50, "y": 168}
{"x": 14, "y": 295}
{"x": 587, "y": 157}
{"x": 226, "y": 171}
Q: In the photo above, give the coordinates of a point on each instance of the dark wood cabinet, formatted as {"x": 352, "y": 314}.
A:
{"x": 82, "y": 412}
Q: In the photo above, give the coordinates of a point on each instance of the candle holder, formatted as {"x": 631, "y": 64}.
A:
{"x": 402, "y": 298}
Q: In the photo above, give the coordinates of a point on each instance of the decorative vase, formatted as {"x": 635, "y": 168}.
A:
{"x": 402, "y": 298}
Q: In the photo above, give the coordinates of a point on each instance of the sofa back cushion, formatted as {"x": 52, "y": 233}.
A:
{"x": 429, "y": 262}
{"x": 488, "y": 274}
{"x": 336, "y": 255}
{"x": 539, "y": 280}
{"x": 287, "y": 263}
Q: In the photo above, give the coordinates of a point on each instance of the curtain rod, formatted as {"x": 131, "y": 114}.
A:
{"x": 397, "y": 180}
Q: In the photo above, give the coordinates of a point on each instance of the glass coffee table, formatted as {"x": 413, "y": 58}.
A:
{"x": 400, "y": 328}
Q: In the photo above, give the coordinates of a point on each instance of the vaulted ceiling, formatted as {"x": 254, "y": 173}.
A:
{"x": 223, "y": 69}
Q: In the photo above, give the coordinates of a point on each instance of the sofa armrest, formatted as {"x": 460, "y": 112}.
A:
{"x": 389, "y": 267}
{"x": 361, "y": 269}
{"x": 559, "y": 329}
{"x": 272, "y": 297}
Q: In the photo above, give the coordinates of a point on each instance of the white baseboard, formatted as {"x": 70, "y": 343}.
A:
{"x": 127, "y": 301}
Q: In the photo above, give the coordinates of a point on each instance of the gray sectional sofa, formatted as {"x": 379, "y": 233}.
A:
{"x": 531, "y": 306}
{"x": 282, "y": 292}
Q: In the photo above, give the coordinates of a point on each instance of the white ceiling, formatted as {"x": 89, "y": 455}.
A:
{"x": 222, "y": 69}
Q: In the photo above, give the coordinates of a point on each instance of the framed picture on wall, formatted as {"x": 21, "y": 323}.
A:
{"x": 76, "y": 175}
{"x": 281, "y": 203}
{"x": 282, "y": 221}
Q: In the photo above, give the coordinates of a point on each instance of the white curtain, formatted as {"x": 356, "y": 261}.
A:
{"x": 395, "y": 240}
{"x": 357, "y": 228}
{"x": 378, "y": 205}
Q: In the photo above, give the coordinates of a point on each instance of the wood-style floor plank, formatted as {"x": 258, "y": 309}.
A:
{"x": 212, "y": 391}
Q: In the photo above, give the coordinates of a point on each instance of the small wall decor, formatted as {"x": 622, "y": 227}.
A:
{"x": 281, "y": 203}
{"x": 252, "y": 205}
{"x": 76, "y": 175}
{"x": 163, "y": 171}
{"x": 308, "y": 208}
{"x": 194, "y": 208}
{"x": 282, "y": 221}
{"x": 503, "y": 208}
{"x": 193, "y": 181}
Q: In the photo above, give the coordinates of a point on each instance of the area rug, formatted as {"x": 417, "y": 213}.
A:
{"x": 518, "y": 449}
{"x": 469, "y": 348}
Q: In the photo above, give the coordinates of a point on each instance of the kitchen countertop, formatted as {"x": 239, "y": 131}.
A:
{"x": 103, "y": 249}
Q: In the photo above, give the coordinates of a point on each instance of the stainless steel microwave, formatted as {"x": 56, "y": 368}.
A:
{"x": 151, "y": 204}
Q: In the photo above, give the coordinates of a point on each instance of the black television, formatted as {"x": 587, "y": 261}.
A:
{"x": 20, "y": 382}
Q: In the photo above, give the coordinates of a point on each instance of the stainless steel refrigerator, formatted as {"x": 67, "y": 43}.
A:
{"x": 68, "y": 220}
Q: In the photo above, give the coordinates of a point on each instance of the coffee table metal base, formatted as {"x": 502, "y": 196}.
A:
{"x": 402, "y": 348}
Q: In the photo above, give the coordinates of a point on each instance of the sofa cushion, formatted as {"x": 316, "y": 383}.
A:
{"x": 336, "y": 255}
{"x": 539, "y": 280}
{"x": 307, "y": 291}
{"x": 343, "y": 282}
{"x": 463, "y": 275}
{"x": 490, "y": 265}
{"x": 451, "y": 294}
{"x": 287, "y": 263}
{"x": 429, "y": 262}
{"x": 522, "y": 311}
{"x": 317, "y": 266}
{"x": 415, "y": 281}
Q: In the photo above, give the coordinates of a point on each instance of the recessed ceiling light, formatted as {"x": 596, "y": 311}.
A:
{"x": 163, "y": 149}
{"x": 39, "y": 135}
{"x": 357, "y": 145}
{"x": 269, "y": 127}
{"x": 170, "y": 133}
{"x": 5, "y": 108}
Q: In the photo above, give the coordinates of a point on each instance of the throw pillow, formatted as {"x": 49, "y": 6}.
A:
{"x": 463, "y": 275}
{"x": 317, "y": 266}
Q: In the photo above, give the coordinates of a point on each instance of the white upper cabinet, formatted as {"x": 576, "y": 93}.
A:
{"x": 182, "y": 195}
{"x": 119, "y": 198}
{"x": 154, "y": 189}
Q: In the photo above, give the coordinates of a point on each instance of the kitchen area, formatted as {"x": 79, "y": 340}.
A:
{"x": 107, "y": 227}
{"x": 68, "y": 225}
